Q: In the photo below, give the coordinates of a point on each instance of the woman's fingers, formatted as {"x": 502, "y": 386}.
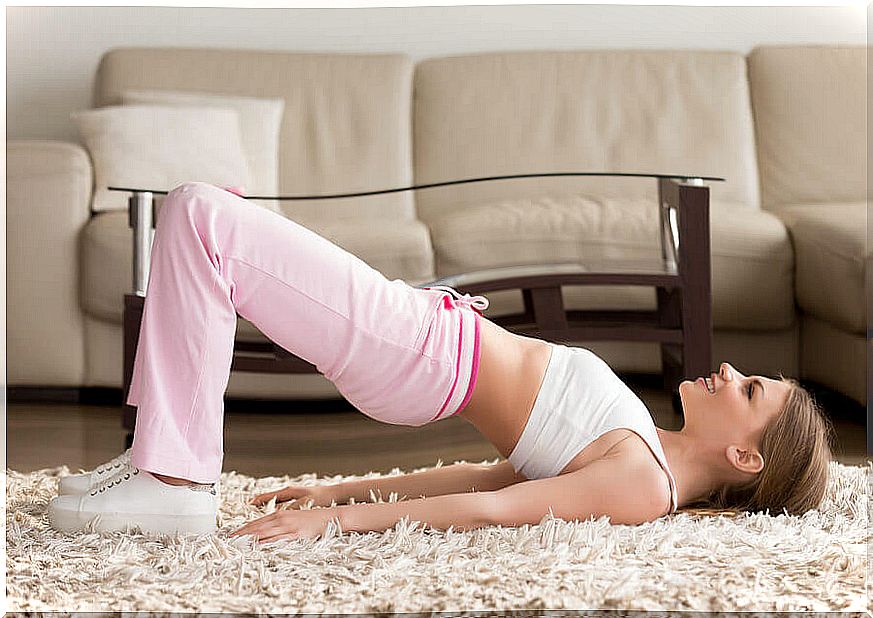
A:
{"x": 264, "y": 498}
{"x": 257, "y": 499}
{"x": 283, "y": 495}
{"x": 290, "y": 493}
{"x": 255, "y": 526}
{"x": 267, "y": 528}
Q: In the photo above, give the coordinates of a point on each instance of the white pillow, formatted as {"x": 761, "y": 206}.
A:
{"x": 159, "y": 148}
{"x": 260, "y": 122}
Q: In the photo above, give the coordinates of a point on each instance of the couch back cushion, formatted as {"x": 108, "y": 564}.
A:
{"x": 810, "y": 107}
{"x": 492, "y": 114}
{"x": 346, "y": 126}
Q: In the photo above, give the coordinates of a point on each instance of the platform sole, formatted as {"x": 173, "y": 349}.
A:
{"x": 76, "y": 521}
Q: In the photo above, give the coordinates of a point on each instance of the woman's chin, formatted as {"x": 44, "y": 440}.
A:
{"x": 686, "y": 385}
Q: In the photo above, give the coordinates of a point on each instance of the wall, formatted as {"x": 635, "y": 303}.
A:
{"x": 53, "y": 52}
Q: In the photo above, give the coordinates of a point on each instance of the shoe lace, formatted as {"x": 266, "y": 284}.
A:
{"x": 125, "y": 472}
{"x": 478, "y": 302}
{"x": 114, "y": 464}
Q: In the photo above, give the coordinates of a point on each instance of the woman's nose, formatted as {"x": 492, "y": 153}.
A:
{"x": 727, "y": 372}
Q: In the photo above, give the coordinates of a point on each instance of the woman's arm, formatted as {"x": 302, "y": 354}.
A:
{"x": 453, "y": 479}
{"x": 624, "y": 490}
{"x": 620, "y": 488}
{"x": 627, "y": 489}
{"x": 460, "y": 511}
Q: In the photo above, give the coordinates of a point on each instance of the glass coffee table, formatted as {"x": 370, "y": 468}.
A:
{"x": 681, "y": 324}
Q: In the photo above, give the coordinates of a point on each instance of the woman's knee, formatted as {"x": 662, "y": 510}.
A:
{"x": 201, "y": 190}
{"x": 190, "y": 196}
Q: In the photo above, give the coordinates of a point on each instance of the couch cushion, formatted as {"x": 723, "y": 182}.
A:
{"x": 402, "y": 250}
{"x": 752, "y": 261}
{"x": 157, "y": 147}
{"x": 259, "y": 123}
{"x": 832, "y": 259}
{"x": 347, "y": 125}
{"x": 648, "y": 111}
{"x": 810, "y": 107}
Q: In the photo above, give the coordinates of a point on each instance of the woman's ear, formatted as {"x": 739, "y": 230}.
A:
{"x": 748, "y": 461}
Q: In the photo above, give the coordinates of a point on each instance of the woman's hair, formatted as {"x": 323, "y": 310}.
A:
{"x": 796, "y": 447}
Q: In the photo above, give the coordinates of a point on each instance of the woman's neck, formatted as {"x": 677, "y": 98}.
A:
{"x": 692, "y": 465}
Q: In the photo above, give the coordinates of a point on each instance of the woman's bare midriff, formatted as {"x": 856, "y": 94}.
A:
{"x": 511, "y": 371}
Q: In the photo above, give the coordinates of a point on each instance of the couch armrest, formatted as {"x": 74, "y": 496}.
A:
{"x": 48, "y": 196}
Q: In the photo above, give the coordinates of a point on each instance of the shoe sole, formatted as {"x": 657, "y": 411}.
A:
{"x": 67, "y": 521}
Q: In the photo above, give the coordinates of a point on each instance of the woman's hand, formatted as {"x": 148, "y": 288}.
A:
{"x": 298, "y": 495}
{"x": 288, "y": 524}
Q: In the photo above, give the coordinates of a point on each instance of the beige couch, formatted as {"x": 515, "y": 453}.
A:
{"x": 784, "y": 125}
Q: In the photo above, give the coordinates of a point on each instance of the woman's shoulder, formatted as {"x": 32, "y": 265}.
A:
{"x": 637, "y": 455}
{"x": 622, "y": 484}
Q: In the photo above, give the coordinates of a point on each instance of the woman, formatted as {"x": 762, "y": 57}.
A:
{"x": 578, "y": 442}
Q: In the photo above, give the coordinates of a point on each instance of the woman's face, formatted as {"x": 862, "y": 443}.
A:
{"x": 736, "y": 413}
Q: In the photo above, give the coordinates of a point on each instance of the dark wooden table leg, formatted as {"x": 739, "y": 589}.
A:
{"x": 131, "y": 321}
{"x": 691, "y": 205}
{"x": 548, "y": 308}
{"x": 670, "y": 316}
{"x": 695, "y": 271}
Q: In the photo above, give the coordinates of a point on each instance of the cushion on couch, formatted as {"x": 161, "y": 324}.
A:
{"x": 259, "y": 121}
{"x": 832, "y": 256}
{"x": 752, "y": 260}
{"x": 347, "y": 125}
{"x": 642, "y": 111}
{"x": 158, "y": 147}
{"x": 811, "y": 123}
{"x": 810, "y": 107}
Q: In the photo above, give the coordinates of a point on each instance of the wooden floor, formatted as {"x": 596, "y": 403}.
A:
{"x": 327, "y": 438}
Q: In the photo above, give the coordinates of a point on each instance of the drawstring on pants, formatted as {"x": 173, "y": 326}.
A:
{"x": 477, "y": 303}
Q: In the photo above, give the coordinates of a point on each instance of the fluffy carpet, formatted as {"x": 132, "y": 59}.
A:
{"x": 684, "y": 561}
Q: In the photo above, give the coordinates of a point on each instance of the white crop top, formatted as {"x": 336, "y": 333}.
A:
{"x": 580, "y": 399}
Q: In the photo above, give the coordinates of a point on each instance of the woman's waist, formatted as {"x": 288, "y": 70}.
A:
{"x": 511, "y": 370}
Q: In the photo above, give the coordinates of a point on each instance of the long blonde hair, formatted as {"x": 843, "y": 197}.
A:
{"x": 796, "y": 447}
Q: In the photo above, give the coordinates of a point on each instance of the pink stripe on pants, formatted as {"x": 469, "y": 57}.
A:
{"x": 399, "y": 354}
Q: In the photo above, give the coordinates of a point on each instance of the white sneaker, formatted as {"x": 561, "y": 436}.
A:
{"x": 133, "y": 497}
{"x": 82, "y": 483}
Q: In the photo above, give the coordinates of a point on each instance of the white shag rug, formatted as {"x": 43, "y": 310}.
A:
{"x": 683, "y": 561}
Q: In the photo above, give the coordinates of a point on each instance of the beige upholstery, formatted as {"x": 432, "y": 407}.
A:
{"x": 810, "y": 107}
{"x": 346, "y": 125}
{"x": 357, "y": 122}
{"x": 830, "y": 241}
{"x": 811, "y": 127}
{"x": 48, "y": 191}
{"x": 752, "y": 259}
{"x": 627, "y": 111}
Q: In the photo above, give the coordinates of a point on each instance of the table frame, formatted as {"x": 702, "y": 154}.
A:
{"x": 681, "y": 323}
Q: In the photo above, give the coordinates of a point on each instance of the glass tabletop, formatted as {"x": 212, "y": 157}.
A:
{"x": 695, "y": 179}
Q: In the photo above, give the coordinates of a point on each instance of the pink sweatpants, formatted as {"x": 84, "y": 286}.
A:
{"x": 399, "y": 354}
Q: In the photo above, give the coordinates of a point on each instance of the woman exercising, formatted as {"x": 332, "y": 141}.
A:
{"x": 577, "y": 440}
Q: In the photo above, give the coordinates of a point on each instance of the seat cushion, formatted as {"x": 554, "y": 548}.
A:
{"x": 752, "y": 260}
{"x": 401, "y": 250}
{"x": 832, "y": 258}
